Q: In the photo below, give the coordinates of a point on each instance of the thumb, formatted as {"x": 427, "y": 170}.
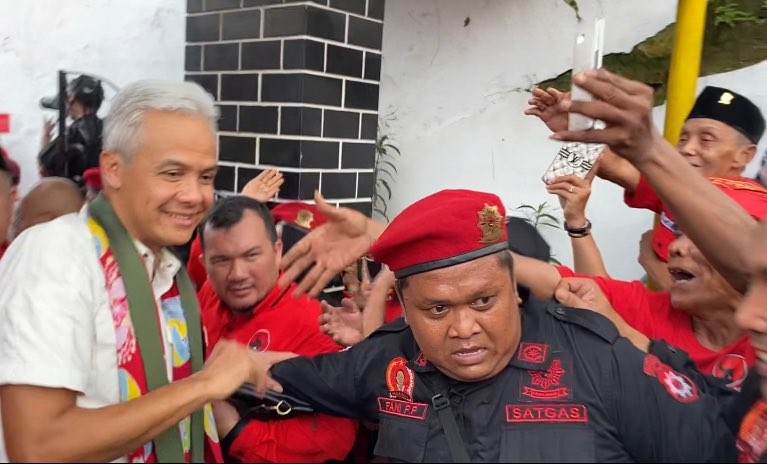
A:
{"x": 326, "y": 307}
{"x": 325, "y": 208}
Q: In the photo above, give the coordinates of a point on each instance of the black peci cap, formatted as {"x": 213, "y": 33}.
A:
{"x": 733, "y": 109}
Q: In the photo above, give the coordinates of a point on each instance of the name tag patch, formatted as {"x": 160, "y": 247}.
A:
{"x": 566, "y": 412}
{"x": 402, "y": 408}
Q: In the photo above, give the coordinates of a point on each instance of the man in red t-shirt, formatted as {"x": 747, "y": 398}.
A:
{"x": 697, "y": 314}
{"x": 241, "y": 301}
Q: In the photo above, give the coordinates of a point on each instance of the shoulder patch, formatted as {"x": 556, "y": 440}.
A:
{"x": 585, "y": 318}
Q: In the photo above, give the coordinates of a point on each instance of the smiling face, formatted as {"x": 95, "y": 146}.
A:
{"x": 162, "y": 192}
{"x": 696, "y": 286}
{"x": 465, "y": 318}
{"x": 714, "y": 148}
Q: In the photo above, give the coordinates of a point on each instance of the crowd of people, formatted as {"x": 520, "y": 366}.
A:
{"x": 145, "y": 321}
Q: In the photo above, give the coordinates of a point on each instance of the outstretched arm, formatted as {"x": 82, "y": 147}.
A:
{"x": 712, "y": 220}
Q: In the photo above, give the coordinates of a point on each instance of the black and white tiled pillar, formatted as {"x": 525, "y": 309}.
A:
{"x": 297, "y": 86}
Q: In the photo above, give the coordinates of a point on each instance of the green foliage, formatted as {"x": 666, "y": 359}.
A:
{"x": 384, "y": 172}
{"x": 540, "y": 216}
{"x": 729, "y": 13}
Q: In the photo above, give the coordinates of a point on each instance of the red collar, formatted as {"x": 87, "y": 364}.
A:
{"x": 272, "y": 298}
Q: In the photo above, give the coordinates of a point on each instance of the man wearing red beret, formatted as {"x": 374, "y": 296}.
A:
{"x": 471, "y": 376}
{"x": 241, "y": 301}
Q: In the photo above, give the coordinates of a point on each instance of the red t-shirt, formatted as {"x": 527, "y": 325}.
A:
{"x": 651, "y": 313}
{"x": 280, "y": 323}
{"x": 194, "y": 266}
{"x": 3, "y": 248}
{"x": 747, "y": 192}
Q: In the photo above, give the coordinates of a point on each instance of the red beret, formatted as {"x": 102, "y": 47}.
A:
{"x": 299, "y": 213}
{"x": 444, "y": 229}
{"x": 92, "y": 178}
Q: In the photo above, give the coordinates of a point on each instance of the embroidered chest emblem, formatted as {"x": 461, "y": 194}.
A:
{"x": 548, "y": 378}
{"x": 553, "y": 383}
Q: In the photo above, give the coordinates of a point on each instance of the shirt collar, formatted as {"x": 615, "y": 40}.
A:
{"x": 169, "y": 263}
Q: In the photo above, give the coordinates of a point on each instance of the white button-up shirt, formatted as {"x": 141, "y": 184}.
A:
{"x": 56, "y": 326}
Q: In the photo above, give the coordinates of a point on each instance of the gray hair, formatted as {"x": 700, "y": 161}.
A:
{"x": 122, "y": 125}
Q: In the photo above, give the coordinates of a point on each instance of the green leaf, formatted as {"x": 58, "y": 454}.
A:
{"x": 386, "y": 186}
{"x": 382, "y": 213}
{"x": 526, "y": 207}
{"x": 549, "y": 217}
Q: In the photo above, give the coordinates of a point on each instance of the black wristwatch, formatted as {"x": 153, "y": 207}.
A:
{"x": 578, "y": 232}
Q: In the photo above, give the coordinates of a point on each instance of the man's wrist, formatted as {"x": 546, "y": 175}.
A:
{"x": 655, "y": 156}
{"x": 576, "y": 221}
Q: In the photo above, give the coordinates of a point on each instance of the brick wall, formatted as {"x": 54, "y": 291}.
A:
{"x": 297, "y": 86}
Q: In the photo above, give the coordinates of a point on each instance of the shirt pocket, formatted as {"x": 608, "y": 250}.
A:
{"x": 547, "y": 443}
{"x": 401, "y": 439}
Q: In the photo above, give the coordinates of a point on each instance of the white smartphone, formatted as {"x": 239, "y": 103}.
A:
{"x": 587, "y": 54}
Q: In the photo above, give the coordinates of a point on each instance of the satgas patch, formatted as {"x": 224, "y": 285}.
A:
{"x": 551, "y": 383}
{"x": 400, "y": 382}
{"x": 545, "y": 412}
{"x": 678, "y": 385}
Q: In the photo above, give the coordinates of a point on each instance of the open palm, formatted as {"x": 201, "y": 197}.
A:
{"x": 343, "y": 324}
{"x": 326, "y": 250}
{"x": 264, "y": 186}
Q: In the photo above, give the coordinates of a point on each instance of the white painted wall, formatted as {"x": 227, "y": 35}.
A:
{"x": 122, "y": 40}
{"x": 457, "y": 95}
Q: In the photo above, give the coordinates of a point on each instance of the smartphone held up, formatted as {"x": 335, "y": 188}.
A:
{"x": 587, "y": 55}
{"x": 579, "y": 158}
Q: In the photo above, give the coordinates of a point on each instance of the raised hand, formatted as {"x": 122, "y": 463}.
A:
{"x": 550, "y": 106}
{"x": 329, "y": 249}
{"x": 343, "y": 324}
{"x": 625, "y": 106}
{"x": 264, "y": 186}
{"x": 573, "y": 193}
